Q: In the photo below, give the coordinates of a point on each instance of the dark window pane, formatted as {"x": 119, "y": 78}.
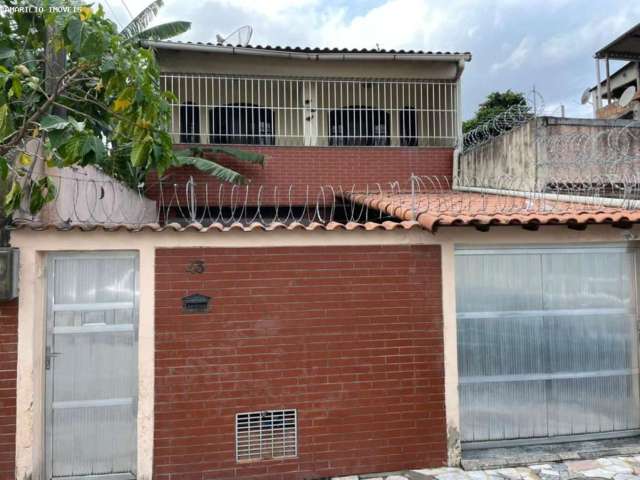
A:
{"x": 241, "y": 124}
{"x": 408, "y": 127}
{"x": 357, "y": 125}
{"x": 189, "y": 123}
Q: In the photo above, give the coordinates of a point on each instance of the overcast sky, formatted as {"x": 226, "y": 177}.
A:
{"x": 515, "y": 43}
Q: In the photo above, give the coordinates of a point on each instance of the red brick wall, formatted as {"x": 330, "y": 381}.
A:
{"x": 8, "y": 357}
{"x": 322, "y": 166}
{"x": 351, "y": 337}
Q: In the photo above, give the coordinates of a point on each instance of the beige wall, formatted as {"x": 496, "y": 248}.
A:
{"x": 34, "y": 246}
{"x": 439, "y": 118}
{"x": 196, "y": 62}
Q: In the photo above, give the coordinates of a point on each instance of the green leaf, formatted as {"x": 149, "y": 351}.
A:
{"x": 6, "y": 52}
{"x": 76, "y": 32}
{"x": 164, "y": 31}
{"x": 12, "y": 199}
{"x": 36, "y": 200}
{"x": 42, "y": 192}
{"x": 16, "y": 85}
{"x": 142, "y": 20}
{"x": 93, "y": 46}
{"x": 4, "y": 168}
{"x": 140, "y": 151}
{"x": 108, "y": 65}
{"x": 4, "y": 120}
{"x": 92, "y": 150}
{"x": 70, "y": 150}
{"x": 212, "y": 168}
{"x": 57, "y": 138}
{"x": 53, "y": 122}
{"x": 238, "y": 154}
{"x": 77, "y": 126}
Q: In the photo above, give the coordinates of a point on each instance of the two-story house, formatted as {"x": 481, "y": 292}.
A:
{"x": 355, "y": 309}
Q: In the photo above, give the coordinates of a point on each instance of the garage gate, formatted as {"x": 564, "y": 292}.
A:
{"x": 547, "y": 344}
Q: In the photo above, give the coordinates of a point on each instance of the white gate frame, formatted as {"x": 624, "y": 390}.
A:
{"x": 30, "y": 408}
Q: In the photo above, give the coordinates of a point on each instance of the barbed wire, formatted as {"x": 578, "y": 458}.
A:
{"x": 532, "y": 106}
{"x": 560, "y": 166}
{"x": 514, "y": 116}
{"x": 91, "y": 202}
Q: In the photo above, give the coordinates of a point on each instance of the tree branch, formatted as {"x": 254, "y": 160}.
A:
{"x": 16, "y": 137}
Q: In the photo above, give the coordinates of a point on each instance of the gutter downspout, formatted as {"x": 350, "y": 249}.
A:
{"x": 598, "y": 104}
{"x": 457, "y": 151}
{"x": 598, "y": 201}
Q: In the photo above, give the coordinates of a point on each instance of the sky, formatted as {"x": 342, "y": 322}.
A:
{"x": 516, "y": 44}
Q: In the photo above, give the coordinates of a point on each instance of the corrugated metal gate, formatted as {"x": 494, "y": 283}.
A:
{"x": 91, "y": 365}
{"x": 547, "y": 344}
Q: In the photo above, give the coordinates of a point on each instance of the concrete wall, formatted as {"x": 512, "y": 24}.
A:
{"x": 87, "y": 195}
{"x": 505, "y": 158}
{"x": 548, "y": 149}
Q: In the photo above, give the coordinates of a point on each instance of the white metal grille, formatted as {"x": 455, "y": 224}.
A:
{"x": 265, "y": 435}
{"x": 223, "y": 109}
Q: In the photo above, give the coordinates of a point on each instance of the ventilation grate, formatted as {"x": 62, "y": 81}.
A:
{"x": 265, "y": 435}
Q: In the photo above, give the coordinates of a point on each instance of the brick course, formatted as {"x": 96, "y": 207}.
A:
{"x": 321, "y": 166}
{"x": 8, "y": 371}
{"x": 351, "y": 337}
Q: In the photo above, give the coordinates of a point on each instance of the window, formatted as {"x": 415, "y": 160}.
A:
{"x": 358, "y": 126}
{"x": 242, "y": 123}
{"x": 265, "y": 435}
{"x": 408, "y": 127}
{"x": 189, "y": 123}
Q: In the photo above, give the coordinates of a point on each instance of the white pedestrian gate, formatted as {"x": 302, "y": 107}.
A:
{"x": 91, "y": 365}
{"x": 547, "y": 344}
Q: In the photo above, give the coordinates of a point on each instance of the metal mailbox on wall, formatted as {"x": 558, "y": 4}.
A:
{"x": 9, "y": 265}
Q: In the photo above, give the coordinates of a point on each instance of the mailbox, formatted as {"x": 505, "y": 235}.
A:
{"x": 196, "y": 303}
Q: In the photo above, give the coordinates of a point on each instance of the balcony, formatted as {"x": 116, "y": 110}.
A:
{"x": 301, "y": 112}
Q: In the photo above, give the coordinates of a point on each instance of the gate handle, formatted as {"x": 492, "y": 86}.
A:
{"x": 51, "y": 354}
{"x": 48, "y": 356}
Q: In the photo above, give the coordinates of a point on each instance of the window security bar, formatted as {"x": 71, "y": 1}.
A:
{"x": 221, "y": 109}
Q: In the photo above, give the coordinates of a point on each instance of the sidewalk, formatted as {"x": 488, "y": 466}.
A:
{"x": 615, "y": 468}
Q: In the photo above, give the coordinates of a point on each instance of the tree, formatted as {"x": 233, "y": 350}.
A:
{"x": 496, "y": 103}
{"x": 115, "y": 115}
{"x": 137, "y": 29}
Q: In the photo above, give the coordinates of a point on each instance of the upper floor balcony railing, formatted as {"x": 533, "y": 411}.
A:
{"x": 224, "y": 109}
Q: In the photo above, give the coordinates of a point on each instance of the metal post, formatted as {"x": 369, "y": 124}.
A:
{"x": 608, "y": 82}
{"x": 598, "y": 103}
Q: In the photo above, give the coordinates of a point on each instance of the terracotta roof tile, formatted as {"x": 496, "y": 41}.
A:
{"x": 424, "y": 210}
{"x": 432, "y": 210}
{"x": 219, "y": 227}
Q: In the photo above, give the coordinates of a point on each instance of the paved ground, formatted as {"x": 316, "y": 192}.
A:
{"x": 613, "y": 468}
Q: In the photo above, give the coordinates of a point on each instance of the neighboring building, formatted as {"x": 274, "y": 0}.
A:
{"x": 331, "y": 318}
{"x": 607, "y": 95}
